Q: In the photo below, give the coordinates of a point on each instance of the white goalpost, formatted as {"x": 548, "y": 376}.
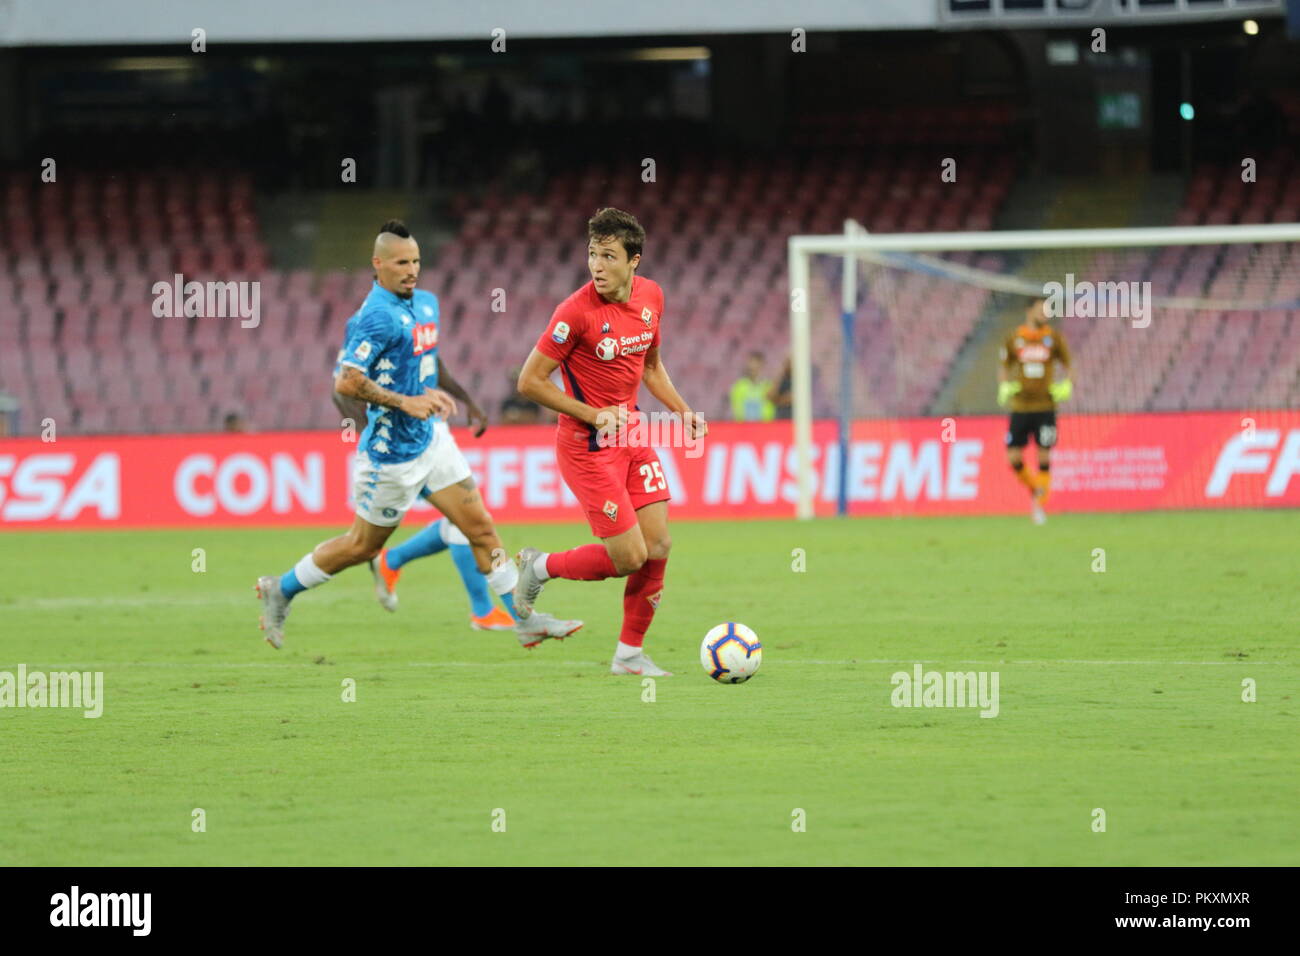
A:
{"x": 975, "y": 280}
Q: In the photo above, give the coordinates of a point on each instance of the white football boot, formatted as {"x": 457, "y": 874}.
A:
{"x": 639, "y": 665}
{"x": 275, "y": 608}
{"x": 529, "y": 586}
{"x": 540, "y": 626}
{"x": 385, "y": 583}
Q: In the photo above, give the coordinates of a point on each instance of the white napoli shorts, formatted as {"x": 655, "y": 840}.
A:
{"x": 383, "y": 493}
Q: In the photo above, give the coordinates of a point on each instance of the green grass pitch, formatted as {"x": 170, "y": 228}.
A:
{"x": 1120, "y": 690}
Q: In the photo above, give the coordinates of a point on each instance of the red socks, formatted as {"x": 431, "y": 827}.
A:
{"x": 590, "y": 562}
{"x": 640, "y": 600}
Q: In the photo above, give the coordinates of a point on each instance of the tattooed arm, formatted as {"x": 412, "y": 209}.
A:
{"x": 353, "y": 383}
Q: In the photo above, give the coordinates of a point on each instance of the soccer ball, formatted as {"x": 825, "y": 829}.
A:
{"x": 731, "y": 653}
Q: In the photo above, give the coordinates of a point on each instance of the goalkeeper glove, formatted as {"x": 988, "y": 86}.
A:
{"x": 1061, "y": 390}
{"x": 1006, "y": 390}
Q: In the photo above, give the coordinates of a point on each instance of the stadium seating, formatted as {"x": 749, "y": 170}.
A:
{"x": 1197, "y": 359}
{"x": 79, "y": 341}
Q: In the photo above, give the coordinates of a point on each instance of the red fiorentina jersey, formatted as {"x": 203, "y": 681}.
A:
{"x": 601, "y": 348}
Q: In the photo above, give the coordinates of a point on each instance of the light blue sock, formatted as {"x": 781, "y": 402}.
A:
{"x": 476, "y": 586}
{"x": 508, "y": 600}
{"x": 290, "y": 585}
{"x": 425, "y": 542}
{"x": 301, "y": 577}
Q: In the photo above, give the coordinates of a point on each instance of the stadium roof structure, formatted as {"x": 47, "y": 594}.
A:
{"x": 92, "y": 22}
{"x": 148, "y": 22}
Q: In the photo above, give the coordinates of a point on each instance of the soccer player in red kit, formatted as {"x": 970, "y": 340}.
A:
{"x": 605, "y": 340}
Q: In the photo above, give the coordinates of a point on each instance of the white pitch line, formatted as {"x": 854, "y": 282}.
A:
{"x": 232, "y": 600}
{"x": 155, "y": 600}
{"x": 82, "y": 663}
{"x": 281, "y": 665}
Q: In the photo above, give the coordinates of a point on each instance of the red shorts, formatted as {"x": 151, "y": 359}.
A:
{"x": 612, "y": 483}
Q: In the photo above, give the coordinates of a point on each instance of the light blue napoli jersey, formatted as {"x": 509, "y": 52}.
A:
{"x": 394, "y": 341}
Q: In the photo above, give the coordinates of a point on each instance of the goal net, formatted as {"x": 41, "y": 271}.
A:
{"x": 1182, "y": 340}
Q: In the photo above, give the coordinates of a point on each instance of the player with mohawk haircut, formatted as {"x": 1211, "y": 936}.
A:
{"x": 390, "y": 362}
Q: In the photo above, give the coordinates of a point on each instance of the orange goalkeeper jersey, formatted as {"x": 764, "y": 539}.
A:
{"x": 1029, "y": 355}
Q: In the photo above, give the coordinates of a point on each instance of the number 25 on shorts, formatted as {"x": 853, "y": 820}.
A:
{"x": 651, "y": 472}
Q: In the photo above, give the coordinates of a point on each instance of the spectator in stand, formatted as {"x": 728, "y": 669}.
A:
{"x": 234, "y": 422}
{"x": 750, "y": 401}
{"x": 8, "y": 415}
{"x": 781, "y": 394}
{"x": 515, "y": 409}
